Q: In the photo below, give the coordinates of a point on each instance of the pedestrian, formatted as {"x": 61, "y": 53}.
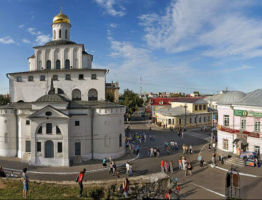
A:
{"x": 166, "y": 166}
{"x": 137, "y": 149}
{"x": 25, "y": 180}
{"x": 182, "y": 133}
{"x": 185, "y": 166}
{"x": 171, "y": 167}
{"x": 157, "y": 152}
{"x": 104, "y": 162}
{"x": 162, "y": 165}
{"x": 130, "y": 173}
{"x": 127, "y": 168}
{"x": 151, "y": 152}
{"x": 80, "y": 179}
{"x": 190, "y": 149}
{"x": 168, "y": 194}
{"x": 111, "y": 168}
{"x": 125, "y": 187}
{"x": 214, "y": 159}
{"x": 189, "y": 168}
{"x": 114, "y": 168}
{"x": 201, "y": 163}
{"x": 2, "y": 173}
{"x": 180, "y": 166}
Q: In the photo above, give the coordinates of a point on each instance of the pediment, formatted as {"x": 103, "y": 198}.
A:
{"x": 48, "y": 112}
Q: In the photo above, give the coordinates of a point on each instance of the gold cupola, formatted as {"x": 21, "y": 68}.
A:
{"x": 61, "y": 18}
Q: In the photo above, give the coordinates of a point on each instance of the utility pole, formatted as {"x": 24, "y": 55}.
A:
{"x": 185, "y": 106}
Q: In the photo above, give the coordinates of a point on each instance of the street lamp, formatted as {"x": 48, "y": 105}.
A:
{"x": 185, "y": 106}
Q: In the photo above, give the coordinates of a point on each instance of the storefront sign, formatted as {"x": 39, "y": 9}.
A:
{"x": 244, "y": 113}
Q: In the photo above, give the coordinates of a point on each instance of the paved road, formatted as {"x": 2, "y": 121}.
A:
{"x": 206, "y": 183}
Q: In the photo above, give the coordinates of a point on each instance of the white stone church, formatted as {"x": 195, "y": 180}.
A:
{"x": 58, "y": 114}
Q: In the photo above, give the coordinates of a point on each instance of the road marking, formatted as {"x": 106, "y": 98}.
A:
{"x": 69, "y": 173}
{"x": 243, "y": 174}
{"x": 217, "y": 193}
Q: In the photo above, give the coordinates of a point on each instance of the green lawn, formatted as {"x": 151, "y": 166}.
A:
{"x": 12, "y": 189}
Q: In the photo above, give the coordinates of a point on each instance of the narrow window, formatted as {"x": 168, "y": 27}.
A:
{"x": 195, "y": 107}
{"x": 58, "y": 64}
{"x": 180, "y": 121}
{"x": 120, "y": 140}
{"x": 42, "y": 78}
{"x": 68, "y": 77}
{"x": 226, "y": 120}
{"x": 65, "y": 34}
{"x": 257, "y": 126}
{"x": 78, "y": 148}
{"x": 77, "y": 123}
{"x": 60, "y": 33}
{"x": 27, "y": 146}
{"x": 27, "y": 122}
{"x": 93, "y": 76}
{"x": 39, "y": 130}
{"x": 225, "y": 144}
{"x": 30, "y": 78}
{"x": 204, "y": 107}
{"x": 200, "y": 107}
{"x": 67, "y": 64}
{"x": 59, "y": 147}
{"x": 199, "y": 119}
{"x": 81, "y": 77}
{"x": 49, "y": 128}
{"x": 38, "y": 146}
{"x": 48, "y": 64}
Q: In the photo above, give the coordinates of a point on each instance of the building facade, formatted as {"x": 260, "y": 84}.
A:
{"x": 184, "y": 113}
{"x": 58, "y": 114}
{"x": 239, "y": 123}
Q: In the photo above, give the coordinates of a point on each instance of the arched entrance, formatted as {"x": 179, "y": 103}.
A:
{"x": 92, "y": 95}
{"x": 49, "y": 149}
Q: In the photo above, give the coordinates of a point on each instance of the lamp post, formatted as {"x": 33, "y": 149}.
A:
{"x": 185, "y": 106}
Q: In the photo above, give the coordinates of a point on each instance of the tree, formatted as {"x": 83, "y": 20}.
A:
{"x": 131, "y": 100}
{"x": 110, "y": 97}
{"x": 4, "y": 99}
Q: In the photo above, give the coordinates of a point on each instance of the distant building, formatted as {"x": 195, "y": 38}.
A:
{"x": 184, "y": 112}
{"x": 113, "y": 89}
{"x": 195, "y": 94}
{"x": 239, "y": 122}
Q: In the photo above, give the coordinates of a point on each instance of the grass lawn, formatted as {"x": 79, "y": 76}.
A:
{"x": 12, "y": 189}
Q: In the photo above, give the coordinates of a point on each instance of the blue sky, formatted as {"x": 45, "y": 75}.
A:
{"x": 171, "y": 45}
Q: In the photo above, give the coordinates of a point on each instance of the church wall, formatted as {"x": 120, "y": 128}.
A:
{"x": 7, "y": 133}
{"x": 23, "y": 90}
{"x": 108, "y": 125}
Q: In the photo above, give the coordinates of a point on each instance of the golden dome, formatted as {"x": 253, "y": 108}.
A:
{"x": 61, "y": 18}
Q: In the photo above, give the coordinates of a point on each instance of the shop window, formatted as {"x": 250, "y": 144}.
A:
{"x": 226, "y": 120}
{"x": 225, "y": 144}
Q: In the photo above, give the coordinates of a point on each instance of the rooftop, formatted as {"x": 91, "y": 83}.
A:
{"x": 253, "y": 98}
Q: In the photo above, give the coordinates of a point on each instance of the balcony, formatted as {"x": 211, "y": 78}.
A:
{"x": 235, "y": 131}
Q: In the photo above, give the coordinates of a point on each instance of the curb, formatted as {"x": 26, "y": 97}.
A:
{"x": 68, "y": 173}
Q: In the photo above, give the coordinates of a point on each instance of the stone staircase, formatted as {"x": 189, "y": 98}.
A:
{"x": 235, "y": 161}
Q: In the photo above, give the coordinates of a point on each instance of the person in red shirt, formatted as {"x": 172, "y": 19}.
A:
{"x": 168, "y": 194}
{"x": 80, "y": 179}
{"x": 162, "y": 164}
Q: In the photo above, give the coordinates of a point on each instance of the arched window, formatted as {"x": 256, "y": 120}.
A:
{"x": 48, "y": 64}
{"x": 92, "y": 95}
{"x": 67, "y": 64}
{"x": 65, "y": 34}
{"x": 60, "y": 91}
{"x": 76, "y": 95}
{"x": 54, "y": 35}
{"x": 20, "y": 101}
{"x": 57, "y": 64}
{"x": 120, "y": 140}
{"x": 49, "y": 149}
{"x": 60, "y": 33}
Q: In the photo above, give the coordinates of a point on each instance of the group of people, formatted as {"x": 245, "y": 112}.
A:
{"x": 187, "y": 149}
{"x": 185, "y": 165}
{"x": 167, "y": 166}
{"x": 153, "y": 152}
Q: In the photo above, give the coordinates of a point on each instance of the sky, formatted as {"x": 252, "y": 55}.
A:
{"x": 148, "y": 45}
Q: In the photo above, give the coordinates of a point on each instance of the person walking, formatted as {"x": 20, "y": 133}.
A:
{"x": 180, "y": 166}
{"x": 104, "y": 162}
{"x": 111, "y": 168}
{"x": 166, "y": 166}
{"x": 114, "y": 168}
{"x": 127, "y": 168}
{"x": 125, "y": 186}
{"x": 190, "y": 149}
{"x": 162, "y": 165}
{"x": 171, "y": 167}
{"x": 189, "y": 168}
{"x": 168, "y": 194}
{"x": 25, "y": 180}
{"x": 185, "y": 167}
{"x": 80, "y": 179}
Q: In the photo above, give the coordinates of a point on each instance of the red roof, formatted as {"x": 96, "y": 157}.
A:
{"x": 159, "y": 101}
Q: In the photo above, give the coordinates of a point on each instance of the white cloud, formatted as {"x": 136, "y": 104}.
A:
{"x": 32, "y": 31}
{"x": 218, "y": 26}
{"x": 112, "y": 25}
{"x": 241, "y": 68}
{"x": 110, "y": 7}
{"x": 26, "y": 41}
{"x": 42, "y": 39}
{"x": 21, "y": 26}
{"x": 7, "y": 40}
